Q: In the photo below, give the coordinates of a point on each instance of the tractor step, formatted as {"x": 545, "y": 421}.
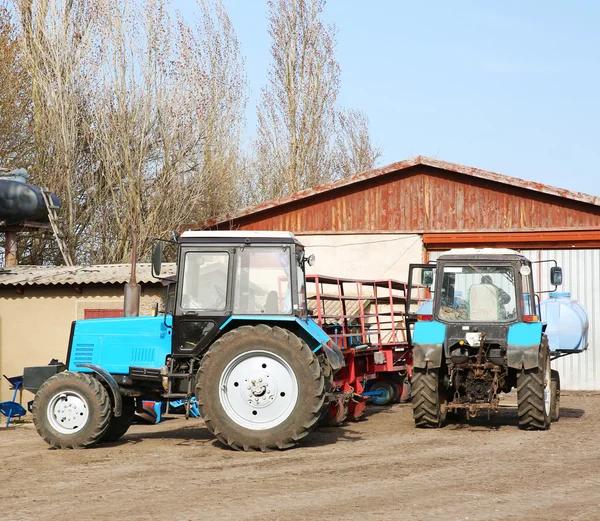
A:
{"x": 176, "y": 395}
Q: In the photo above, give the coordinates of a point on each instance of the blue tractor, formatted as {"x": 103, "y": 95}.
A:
{"x": 480, "y": 334}
{"x": 236, "y": 334}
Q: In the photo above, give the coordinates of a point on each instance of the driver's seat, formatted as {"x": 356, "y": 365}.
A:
{"x": 484, "y": 302}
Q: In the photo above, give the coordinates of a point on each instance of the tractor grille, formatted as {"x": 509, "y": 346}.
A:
{"x": 83, "y": 353}
{"x": 141, "y": 355}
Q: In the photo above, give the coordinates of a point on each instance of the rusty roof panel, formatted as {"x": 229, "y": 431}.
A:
{"x": 382, "y": 202}
{"x": 424, "y": 199}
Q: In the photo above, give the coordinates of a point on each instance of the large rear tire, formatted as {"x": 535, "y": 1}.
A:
{"x": 555, "y": 399}
{"x": 119, "y": 425}
{"x": 71, "y": 411}
{"x": 260, "y": 388}
{"x": 430, "y": 405}
{"x": 534, "y": 394}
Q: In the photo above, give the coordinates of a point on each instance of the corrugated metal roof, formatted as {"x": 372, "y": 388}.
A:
{"x": 399, "y": 166}
{"x": 68, "y": 275}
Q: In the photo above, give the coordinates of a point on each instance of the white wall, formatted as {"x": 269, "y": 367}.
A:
{"x": 581, "y": 278}
{"x": 369, "y": 256}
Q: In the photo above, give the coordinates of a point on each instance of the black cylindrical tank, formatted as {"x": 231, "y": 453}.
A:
{"x": 22, "y": 202}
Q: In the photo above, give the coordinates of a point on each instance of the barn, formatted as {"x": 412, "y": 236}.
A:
{"x": 374, "y": 224}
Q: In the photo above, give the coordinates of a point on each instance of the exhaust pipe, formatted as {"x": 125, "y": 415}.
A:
{"x": 131, "y": 302}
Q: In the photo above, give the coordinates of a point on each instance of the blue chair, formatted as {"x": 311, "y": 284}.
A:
{"x": 13, "y": 409}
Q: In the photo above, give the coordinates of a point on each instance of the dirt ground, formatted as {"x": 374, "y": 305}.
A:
{"x": 381, "y": 468}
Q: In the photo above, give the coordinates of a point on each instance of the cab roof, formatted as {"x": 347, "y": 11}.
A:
{"x": 238, "y": 236}
{"x": 477, "y": 253}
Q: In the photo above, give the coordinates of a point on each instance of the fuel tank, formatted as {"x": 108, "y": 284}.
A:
{"x": 22, "y": 202}
{"x": 567, "y": 322}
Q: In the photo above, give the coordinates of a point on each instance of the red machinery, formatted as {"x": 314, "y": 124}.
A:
{"x": 365, "y": 319}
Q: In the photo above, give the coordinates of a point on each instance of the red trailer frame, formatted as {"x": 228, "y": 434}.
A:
{"x": 365, "y": 319}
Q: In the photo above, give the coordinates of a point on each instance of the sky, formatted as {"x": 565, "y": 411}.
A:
{"x": 511, "y": 86}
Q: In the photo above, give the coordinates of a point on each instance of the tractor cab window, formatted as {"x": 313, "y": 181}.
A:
{"x": 205, "y": 281}
{"x": 477, "y": 294}
{"x": 263, "y": 281}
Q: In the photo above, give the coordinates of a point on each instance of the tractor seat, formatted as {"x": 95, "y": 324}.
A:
{"x": 484, "y": 302}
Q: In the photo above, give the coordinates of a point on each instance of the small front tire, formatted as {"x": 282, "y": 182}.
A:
{"x": 71, "y": 411}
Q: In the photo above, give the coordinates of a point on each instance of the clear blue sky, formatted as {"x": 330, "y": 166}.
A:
{"x": 510, "y": 86}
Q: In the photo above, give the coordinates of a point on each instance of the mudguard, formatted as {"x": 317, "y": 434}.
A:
{"x": 428, "y": 344}
{"x": 523, "y": 345}
{"x": 112, "y": 384}
{"x": 308, "y": 329}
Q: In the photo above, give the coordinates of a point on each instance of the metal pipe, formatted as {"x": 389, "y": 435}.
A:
{"x": 10, "y": 251}
{"x": 131, "y": 298}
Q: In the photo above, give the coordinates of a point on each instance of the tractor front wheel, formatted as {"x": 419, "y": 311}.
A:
{"x": 71, "y": 411}
{"x": 260, "y": 388}
{"x": 429, "y": 401}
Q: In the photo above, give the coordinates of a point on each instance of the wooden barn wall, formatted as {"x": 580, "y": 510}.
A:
{"x": 420, "y": 200}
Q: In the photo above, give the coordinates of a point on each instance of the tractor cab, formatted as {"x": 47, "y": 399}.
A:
{"x": 233, "y": 276}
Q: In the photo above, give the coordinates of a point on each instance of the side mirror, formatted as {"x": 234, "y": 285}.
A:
{"x": 310, "y": 260}
{"x": 556, "y": 276}
{"x": 427, "y": 277}
{"x": 157, "y": 253}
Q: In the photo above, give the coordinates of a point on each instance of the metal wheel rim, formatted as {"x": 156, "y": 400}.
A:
{"x": 258, "y": 390}
{"x": 547, "y": 388}
{"x": 68, "y": 412}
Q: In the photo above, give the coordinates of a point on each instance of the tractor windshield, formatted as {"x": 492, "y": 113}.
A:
{"x": 262, "y": 281}
{"x": 477, "y": 294}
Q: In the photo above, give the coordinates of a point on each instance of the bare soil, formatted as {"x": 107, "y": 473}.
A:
{"x": 381, "y": 468}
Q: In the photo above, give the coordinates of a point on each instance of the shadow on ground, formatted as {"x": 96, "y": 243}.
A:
{"x": 197, "y": 433}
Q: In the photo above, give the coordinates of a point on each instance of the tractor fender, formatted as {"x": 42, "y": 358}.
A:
{"x": 523, "y": 345}
{"x": 428, "y": 344}
{"x": 522, "y": 357}
{"x": 111, "y": 382}
{"x": 427, "y": 355}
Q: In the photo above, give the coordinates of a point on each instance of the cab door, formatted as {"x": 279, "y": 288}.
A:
{"x": 203, "y": 301}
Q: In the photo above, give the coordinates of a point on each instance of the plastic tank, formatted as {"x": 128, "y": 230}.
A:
{"x": 567, "y": 323}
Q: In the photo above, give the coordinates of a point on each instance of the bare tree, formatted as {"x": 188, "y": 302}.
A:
{"x": 211, "y": 49}
{"x": 354, "y": 150}
{"x": 137, "y": 117}
{"x": 297, "y": 108}
{"x": 15, "y": 96}
{"x": 56, "y": 40}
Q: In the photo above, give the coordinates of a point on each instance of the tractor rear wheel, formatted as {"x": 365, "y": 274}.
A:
{"x": 71, "y": 411}
{"x": 260, "y": 388}
{"x": 534, "y": 394}
{"x": 555, "y": 396}
{"x": 429, "y": 401}
{"x": 119, "y": 425}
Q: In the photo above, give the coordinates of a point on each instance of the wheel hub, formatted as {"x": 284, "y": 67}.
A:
{"x": 258, "y": 390}
{"x": 68, "y": 412}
